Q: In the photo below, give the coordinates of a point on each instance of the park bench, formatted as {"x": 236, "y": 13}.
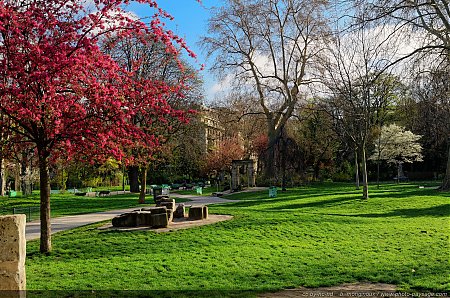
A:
{"x": 103, "y": 193}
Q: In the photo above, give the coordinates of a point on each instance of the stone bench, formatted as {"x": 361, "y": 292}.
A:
{"x": 166, "y": 202}
{"x": 198, "y": 212}
{"x": 180, "y": 211}
{"x": 155, "y": 217}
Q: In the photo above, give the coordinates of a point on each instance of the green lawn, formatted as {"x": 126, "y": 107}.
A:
{"x": 205, "y": 191}
{"x": 69, "y": 204}
{"x": 313, "y": 236}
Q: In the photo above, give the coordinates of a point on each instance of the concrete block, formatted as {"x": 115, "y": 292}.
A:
{"x": 12, "y": 252}
{"x": 180, "y": 212}
{"x": 144, "y": 218}
{"x": 196, "y": 213}
{"x": 126, "y": 220}
{"x": 168, "y": 203}
{"x": 155, "y": 210}
{"x": 169, "y": 215}
{"x": 159, "y": 220}
{"x": 205, "y": 212}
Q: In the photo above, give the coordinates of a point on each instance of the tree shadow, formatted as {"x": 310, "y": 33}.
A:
{"x": 321, "y": 203}
{"x": 435, "y": 211}
{"x": 407, "y": 193}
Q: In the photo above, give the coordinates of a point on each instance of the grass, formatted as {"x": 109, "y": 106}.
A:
{"x": 69, "y": 204}
{"x": 320, "y": 235}
{"x": 205, "y": 191}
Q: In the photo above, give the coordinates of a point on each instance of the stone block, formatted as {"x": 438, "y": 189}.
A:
{"x": 160, "y": 198}
{"x": 180, "y": 212}
{"x": 144, "y": 218}
{"x": 196, "y": 213}
{"x": 159, "y": 220}
{"x": 169, "y": 215}
{"x": 205, "y": 212}
{"x": 126, "y": 220}
{"x": 156, "y": 210}
{"x": 12, "y": 252}
{"x": 168, "y": 205}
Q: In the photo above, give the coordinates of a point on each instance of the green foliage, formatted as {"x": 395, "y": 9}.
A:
{"x": 69, "y": 204}
{"x": 344, "y": 173}
{"x": 311, "y": 236}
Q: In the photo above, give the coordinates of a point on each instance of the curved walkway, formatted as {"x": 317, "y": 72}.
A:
{"x": 32, "y": 230}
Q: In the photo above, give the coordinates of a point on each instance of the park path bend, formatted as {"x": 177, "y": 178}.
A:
{"x": 63, "y": 223}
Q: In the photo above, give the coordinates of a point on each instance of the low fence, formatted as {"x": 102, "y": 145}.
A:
{"x": 32, "y": 213}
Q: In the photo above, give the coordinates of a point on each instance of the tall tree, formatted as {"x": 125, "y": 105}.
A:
{"x": 269, "y": 46}
{"x": 425, "y": 22}
{"x": 61, "y": 95}
{"x": 360, "y": 90}
{"x": 147, "y": 58}
{"x": 431, "y": 17}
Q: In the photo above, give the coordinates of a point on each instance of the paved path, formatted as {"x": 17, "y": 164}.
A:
{"x": 207, "y": 200}
{"x": 198, "y": 201}
{"x": 32, "y": 230}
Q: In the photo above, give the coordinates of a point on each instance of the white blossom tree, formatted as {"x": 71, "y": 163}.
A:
{"x": 397, "y": 145}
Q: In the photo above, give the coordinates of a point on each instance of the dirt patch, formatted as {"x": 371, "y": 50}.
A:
{"x": 177, "y": 224}
{"x": 361, "y": 289}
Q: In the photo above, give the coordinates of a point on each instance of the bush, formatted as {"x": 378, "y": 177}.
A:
{"x": 342, "y": 177}
{"x": 344, "y": 173}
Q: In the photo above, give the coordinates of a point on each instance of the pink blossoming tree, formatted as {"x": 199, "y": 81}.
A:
{"x": 60, "y": 94}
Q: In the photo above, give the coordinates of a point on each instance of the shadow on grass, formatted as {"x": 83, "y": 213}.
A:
{"x": 435, "y": 211}
{"x": 407, "y": 193}
{"x": 321, "y": 203}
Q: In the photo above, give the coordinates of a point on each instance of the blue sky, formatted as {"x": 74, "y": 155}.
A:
{"x": 190, "y": 22}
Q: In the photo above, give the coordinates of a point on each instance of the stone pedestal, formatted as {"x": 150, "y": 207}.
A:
{"x": 198, "y": 212}
{"x": 159, "y": 220}
{"x": 168, "y": 203}
{"x": 12, "y": 252}
{"x": 180, "y": 212}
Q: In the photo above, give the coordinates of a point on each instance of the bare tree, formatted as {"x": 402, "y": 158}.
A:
{"x": 354, "y": 74}
{"x": 268, "y": 46}
{"x": 150, "y": 59}
{"x": 427, "y": 18}
{"x": 427, "y": 112}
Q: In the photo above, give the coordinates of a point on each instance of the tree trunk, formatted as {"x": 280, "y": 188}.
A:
{"x": 378, "y": 173}
{"x": 17, "y": 180}
{"x": 25, "y": 178}
{"x": 364, "y": 174}
{"x": 446, "y": 183}
{"x": 44, "y": 183}
{"x": 379, "y": 160}
{"x": 356, "y": 169}
{"x": 269, "y": 170}
{"x": 283, "y": 162}
{"x": 2, "y": 177}
{"x": 123, "y": 178}
{"x": 143, "y": 185}
{"x": 133, "y": 176}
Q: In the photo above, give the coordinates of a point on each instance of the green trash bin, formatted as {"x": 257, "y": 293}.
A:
{"x": 199, "y": 190}
{"x": 12, "y": 193}
{"x": 272, "y": 192}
